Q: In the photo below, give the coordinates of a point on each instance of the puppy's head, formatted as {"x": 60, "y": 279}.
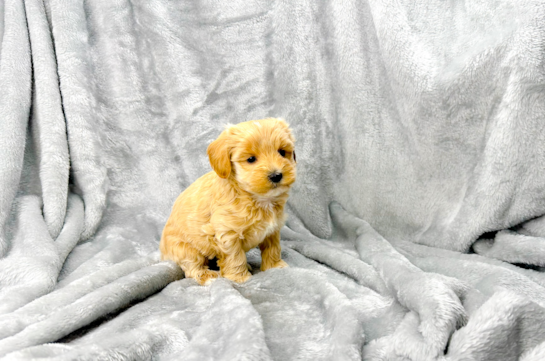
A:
{"x": 259, "y": 155}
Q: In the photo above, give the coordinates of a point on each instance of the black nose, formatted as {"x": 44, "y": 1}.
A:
{"x": 275, "y": 177}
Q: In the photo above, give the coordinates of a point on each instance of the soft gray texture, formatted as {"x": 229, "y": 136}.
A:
{"x": 420, "y": 128}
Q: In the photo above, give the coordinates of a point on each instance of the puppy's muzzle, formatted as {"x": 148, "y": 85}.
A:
{"x": 275, "y": 177}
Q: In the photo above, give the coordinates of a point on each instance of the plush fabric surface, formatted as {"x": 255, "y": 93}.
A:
{"x": 415, "y": 229}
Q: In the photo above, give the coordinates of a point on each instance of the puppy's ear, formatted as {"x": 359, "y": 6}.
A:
{"x": 218, "y": 153}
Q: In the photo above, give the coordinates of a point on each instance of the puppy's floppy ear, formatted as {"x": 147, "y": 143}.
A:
{"x": 290, "y": 134}
{"x": 218, "y": 153}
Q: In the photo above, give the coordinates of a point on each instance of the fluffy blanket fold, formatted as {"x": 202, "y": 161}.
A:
{"x": 416, "y": 228}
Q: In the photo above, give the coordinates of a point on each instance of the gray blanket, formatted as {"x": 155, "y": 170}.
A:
{"x": 415, "y": 229}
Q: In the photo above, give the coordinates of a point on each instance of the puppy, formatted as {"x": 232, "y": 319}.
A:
{"x": 237, "y": 206}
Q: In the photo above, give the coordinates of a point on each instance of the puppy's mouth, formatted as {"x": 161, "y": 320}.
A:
{"x": 280, "y": 185}
{"x": 275, "y": 191}
{"x": 276, "y": 186}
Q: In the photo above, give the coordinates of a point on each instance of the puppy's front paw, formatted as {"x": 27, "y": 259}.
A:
{"x": 238, "y": 277}
{"x": 280, "y": 264}
{"x": 207, "y": 277}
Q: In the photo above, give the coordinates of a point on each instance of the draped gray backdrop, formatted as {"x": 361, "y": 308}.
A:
{"x": 416, "y": 227}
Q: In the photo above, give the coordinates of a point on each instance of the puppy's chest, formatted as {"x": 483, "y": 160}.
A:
{"x": 259, "y": 230}
{"x": 250, "y": 225}
{"x": 265, "y": 227}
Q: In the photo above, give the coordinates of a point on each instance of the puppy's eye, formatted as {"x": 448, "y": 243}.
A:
{"x": 282, "y": 152}
{"x": 251, "y": 160}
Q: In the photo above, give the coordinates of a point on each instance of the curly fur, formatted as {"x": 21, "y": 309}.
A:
{"x": 236, "y": 207}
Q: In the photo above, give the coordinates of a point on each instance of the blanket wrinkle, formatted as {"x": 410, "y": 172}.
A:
{"x": 512, "y": 247}
{"x": 47, "y": 123}
{"x": 495, "y": 320}
{"x": 424, "y": 121}
{"x": 87, "y": 174}
{"x": 15, "y": 71}
{"x": 337, "y": 259}
{"x": 62, "y": 321}
{"x": 40, "y": 275}
{"x": 435, "y": 298}
{"x": 535, "y": 354}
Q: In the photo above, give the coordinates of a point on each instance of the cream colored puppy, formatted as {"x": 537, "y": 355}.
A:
{"x": 236, "y": 207}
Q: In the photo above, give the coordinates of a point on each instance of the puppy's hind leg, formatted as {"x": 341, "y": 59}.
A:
{"x": 194, "y": 264}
